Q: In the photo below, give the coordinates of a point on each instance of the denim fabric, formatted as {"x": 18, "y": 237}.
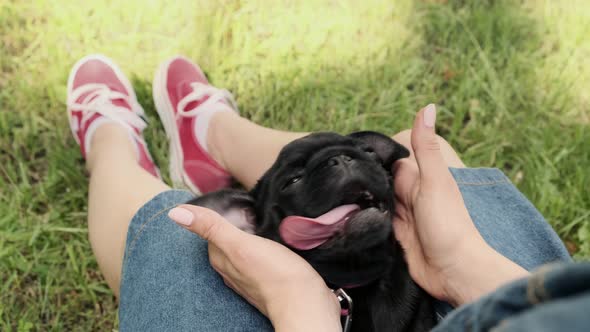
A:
{"x": 555, "y": 298}
{"x": 506, "y": 220}
{"x": 168, "y": 284}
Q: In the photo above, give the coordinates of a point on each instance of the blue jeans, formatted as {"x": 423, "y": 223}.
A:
{"x": 168, "y": 285}
{"x": 554, "y": 298}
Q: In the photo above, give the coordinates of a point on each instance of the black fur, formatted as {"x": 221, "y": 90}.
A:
{"x": 311, "y": 176}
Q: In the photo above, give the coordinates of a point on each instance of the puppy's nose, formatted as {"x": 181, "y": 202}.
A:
{"x": 339, "y": 160}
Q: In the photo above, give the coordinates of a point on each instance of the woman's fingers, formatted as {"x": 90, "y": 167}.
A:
{"x": 223, "y": 237}
{"x": 220, "y": 261}
{"x": 208, "y": 224}
{"x": 227, "y": 253}
{"x": 426, "y": 146}
{"x": 405, "y": 180}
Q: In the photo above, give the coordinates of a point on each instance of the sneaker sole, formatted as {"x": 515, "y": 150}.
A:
{"x": 166, "y": 112}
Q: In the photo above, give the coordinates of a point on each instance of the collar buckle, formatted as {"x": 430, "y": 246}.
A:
{"x": 345, "y": 309}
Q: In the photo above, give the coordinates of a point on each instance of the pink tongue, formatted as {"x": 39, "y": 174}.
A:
{"x": 307, "y": 233}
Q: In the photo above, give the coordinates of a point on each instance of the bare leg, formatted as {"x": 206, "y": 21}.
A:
{"x": 449, "y": 155}
{"x": 247, "y": 150}
{"x": 118, "y": 188}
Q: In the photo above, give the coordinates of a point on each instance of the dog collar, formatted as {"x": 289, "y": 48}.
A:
{"x": 354, "y": 283}
{"x": 345, "y": 309}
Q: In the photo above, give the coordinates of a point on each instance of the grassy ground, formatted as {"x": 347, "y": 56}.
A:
{"x": 511, "y": 78}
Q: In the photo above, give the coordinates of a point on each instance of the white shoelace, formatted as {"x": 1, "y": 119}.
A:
{"x": 212, "y": 104}
{"x": 100, "y": 101}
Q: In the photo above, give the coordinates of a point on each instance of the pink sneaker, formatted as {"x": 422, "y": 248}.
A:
{"x": 98, "y": 93}
{"x": 185, "y": 102}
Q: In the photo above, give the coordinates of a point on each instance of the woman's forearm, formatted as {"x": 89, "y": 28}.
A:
{"x": 305, "y": 323}
{"x": 483, "y": 271}
{"x": 317, "y": 313}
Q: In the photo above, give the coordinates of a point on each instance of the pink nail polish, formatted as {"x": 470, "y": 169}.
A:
{"x": 181, "y": 216}
{"x": 429, "y": 115}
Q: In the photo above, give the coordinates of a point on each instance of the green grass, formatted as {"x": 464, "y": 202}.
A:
{"x": 511, "y": 78}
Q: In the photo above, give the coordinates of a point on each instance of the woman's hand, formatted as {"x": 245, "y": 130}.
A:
{"x": 446, "y": 254}
{"x": 279, "y": 283}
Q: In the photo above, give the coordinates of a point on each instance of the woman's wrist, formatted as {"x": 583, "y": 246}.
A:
{"x": 481, "y": 271}
{"x": 310, "y": 309}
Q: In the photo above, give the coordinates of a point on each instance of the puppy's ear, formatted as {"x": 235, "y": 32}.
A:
{"x": 386, "y": 148}
{"x": 235, "y": 205}
{"x": 268, "y": 216}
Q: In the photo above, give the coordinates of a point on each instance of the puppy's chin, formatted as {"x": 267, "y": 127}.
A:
{"x": 365, "y": 229}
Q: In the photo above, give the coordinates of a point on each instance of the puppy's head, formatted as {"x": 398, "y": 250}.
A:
{"x": 330, "y": 198}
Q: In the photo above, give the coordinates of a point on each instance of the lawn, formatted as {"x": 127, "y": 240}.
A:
{"x": 511, "y": 80}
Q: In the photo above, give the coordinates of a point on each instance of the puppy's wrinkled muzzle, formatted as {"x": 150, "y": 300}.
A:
{"x": 305, "y": 233}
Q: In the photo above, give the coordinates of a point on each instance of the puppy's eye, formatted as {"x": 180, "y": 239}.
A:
{"x": 291, "y": 181}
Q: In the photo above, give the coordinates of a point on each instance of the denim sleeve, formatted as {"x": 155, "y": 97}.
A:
{"x": 555, "y": 298}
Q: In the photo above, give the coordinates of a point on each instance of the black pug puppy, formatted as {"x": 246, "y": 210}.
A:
{"x": 330, "y": 199}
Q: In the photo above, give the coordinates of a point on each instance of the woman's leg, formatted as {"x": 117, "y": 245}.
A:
{"x": 119, "y": 186}
{"x": 247, "y": 150}
{"x": 449, "y": 154}
{"x": 167, "y": 282}
{"x": 105, "y": 119}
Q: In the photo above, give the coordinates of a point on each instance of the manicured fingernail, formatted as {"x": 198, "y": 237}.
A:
{"x": 181, "y": 216}
{"x": 429, "y": 115}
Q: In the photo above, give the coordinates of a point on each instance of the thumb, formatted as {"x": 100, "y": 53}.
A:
{"x": 426, "y": 146}
{"x": 206, "y": 223}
